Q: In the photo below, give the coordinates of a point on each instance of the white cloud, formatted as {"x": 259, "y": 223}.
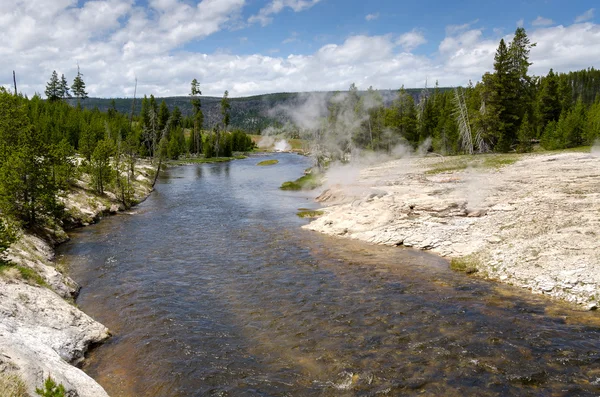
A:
{"x": 292, "y": 39}
{"x": 520, "y": 23}
{"x": 411, "y": 40}
{"x": 565, "y": 48}
{"x": 264, "y": 16}
{"x": 372, "y": 17}
{"x": 541, "y": 21}
{"x": 586, "y": 16}
{"x": 454, "y": 29}
{"x": 134, "y": 42}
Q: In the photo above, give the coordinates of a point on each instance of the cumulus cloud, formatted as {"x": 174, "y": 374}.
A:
{"x": 411, "y": 40}
{"x": 372, "y": 17}
{"x": 541, "y": 21}
{"x": 131, "y": 42}
{"x": 586, "y": 16}
{"x": 264, "y": 16}
{"x": 565, "y": 48}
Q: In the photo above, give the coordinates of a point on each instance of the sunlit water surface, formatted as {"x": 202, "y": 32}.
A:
{"x": 210, "y": 287}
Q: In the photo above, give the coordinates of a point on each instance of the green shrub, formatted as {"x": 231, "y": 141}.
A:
{"x": 51, "y": 389}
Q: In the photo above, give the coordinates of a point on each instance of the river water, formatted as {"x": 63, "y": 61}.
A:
{"x": 210, "y": 287}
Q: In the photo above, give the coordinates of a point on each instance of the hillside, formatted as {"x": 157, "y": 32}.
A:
{"x": 249, "y": 113}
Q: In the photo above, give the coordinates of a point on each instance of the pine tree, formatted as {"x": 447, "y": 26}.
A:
{"x": 78, "y": 86}
{"x": 27, "y": 188}
{"x": 196, "y": 136}
{"x": 549, "y": 102}
{"x": 592, "y": 128}
{"x": 64, "y": 88}
{"x": 525, "y": 135}
{"x": 176, "y": 117}
{"x": 225, "y": 106}
{"x": 53, "y": 88}
{"x": 100, "y": 170}
{"x": 519, "y": 50}
{"x": 503, "y": 99}
{"x": 163, "y": 116}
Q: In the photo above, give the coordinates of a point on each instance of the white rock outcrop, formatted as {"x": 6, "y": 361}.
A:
{"x": 41, "y": 333}
{"x": 534, "y": 223}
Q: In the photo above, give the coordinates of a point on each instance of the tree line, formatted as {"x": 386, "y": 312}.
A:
{"x": 46, "y": 145}
{"x": 508, "y": 110}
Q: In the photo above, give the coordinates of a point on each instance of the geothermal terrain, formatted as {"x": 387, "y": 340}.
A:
{"x": 531, "y": 220}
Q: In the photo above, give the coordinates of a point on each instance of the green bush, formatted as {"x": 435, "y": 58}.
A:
{"x": 51, "y": 389}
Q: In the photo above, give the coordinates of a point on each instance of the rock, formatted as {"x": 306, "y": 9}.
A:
{"x": 42, "y": 335}
{"x": 529, "y": 223}
{"x": 477, "y": 213}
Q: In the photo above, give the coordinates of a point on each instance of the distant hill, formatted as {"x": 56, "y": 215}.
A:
{"x": 249, "y": 113}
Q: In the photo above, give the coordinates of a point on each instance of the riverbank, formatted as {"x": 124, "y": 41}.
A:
{"x": 42, "y": 332}
{"x": 527, "y": 220}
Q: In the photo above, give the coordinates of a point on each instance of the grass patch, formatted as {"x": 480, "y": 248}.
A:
{"x": 579, "y": 149}
{"x": 304, "y": 213}
{"x": 500, "y": 160}
{"x": 306, "y": 182}
{"x": 448, "y": 166}
{"x": 268, "y": 162}
{"x": 483, "y": 161}
{"x": 12, "y": 385}
{"x": 466, "y": 265}
{"x": 202, "y": 160}
{"x": 25, "y": 273}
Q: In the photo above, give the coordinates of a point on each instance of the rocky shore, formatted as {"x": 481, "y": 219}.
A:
{"x": 528, "y": 220}
{"x": 42, "y": 332}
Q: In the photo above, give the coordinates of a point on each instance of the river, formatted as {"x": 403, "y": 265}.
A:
{"x": 210, "y": 287}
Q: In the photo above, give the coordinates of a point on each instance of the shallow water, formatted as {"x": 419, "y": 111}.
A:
{"x": 210, "y": 287}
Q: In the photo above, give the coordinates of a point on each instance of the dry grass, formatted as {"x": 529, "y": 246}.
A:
{"x": 11, "y": 385}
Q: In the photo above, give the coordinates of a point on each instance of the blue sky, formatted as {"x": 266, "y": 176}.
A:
{"x": 258, "y": 46}
{"x": 334, "y": 20}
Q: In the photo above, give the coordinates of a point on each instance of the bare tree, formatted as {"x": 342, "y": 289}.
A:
{"x": 462, "y": 118}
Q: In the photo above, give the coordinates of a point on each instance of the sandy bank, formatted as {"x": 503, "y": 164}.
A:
{"x": 533, "y": 224}
{"x": 42, "y": 333}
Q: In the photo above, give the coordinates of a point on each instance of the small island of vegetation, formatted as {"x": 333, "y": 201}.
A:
{"x": 268, "y": 162}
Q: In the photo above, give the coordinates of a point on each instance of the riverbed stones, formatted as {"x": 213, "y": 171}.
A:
{"x": 532, "y": 224}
